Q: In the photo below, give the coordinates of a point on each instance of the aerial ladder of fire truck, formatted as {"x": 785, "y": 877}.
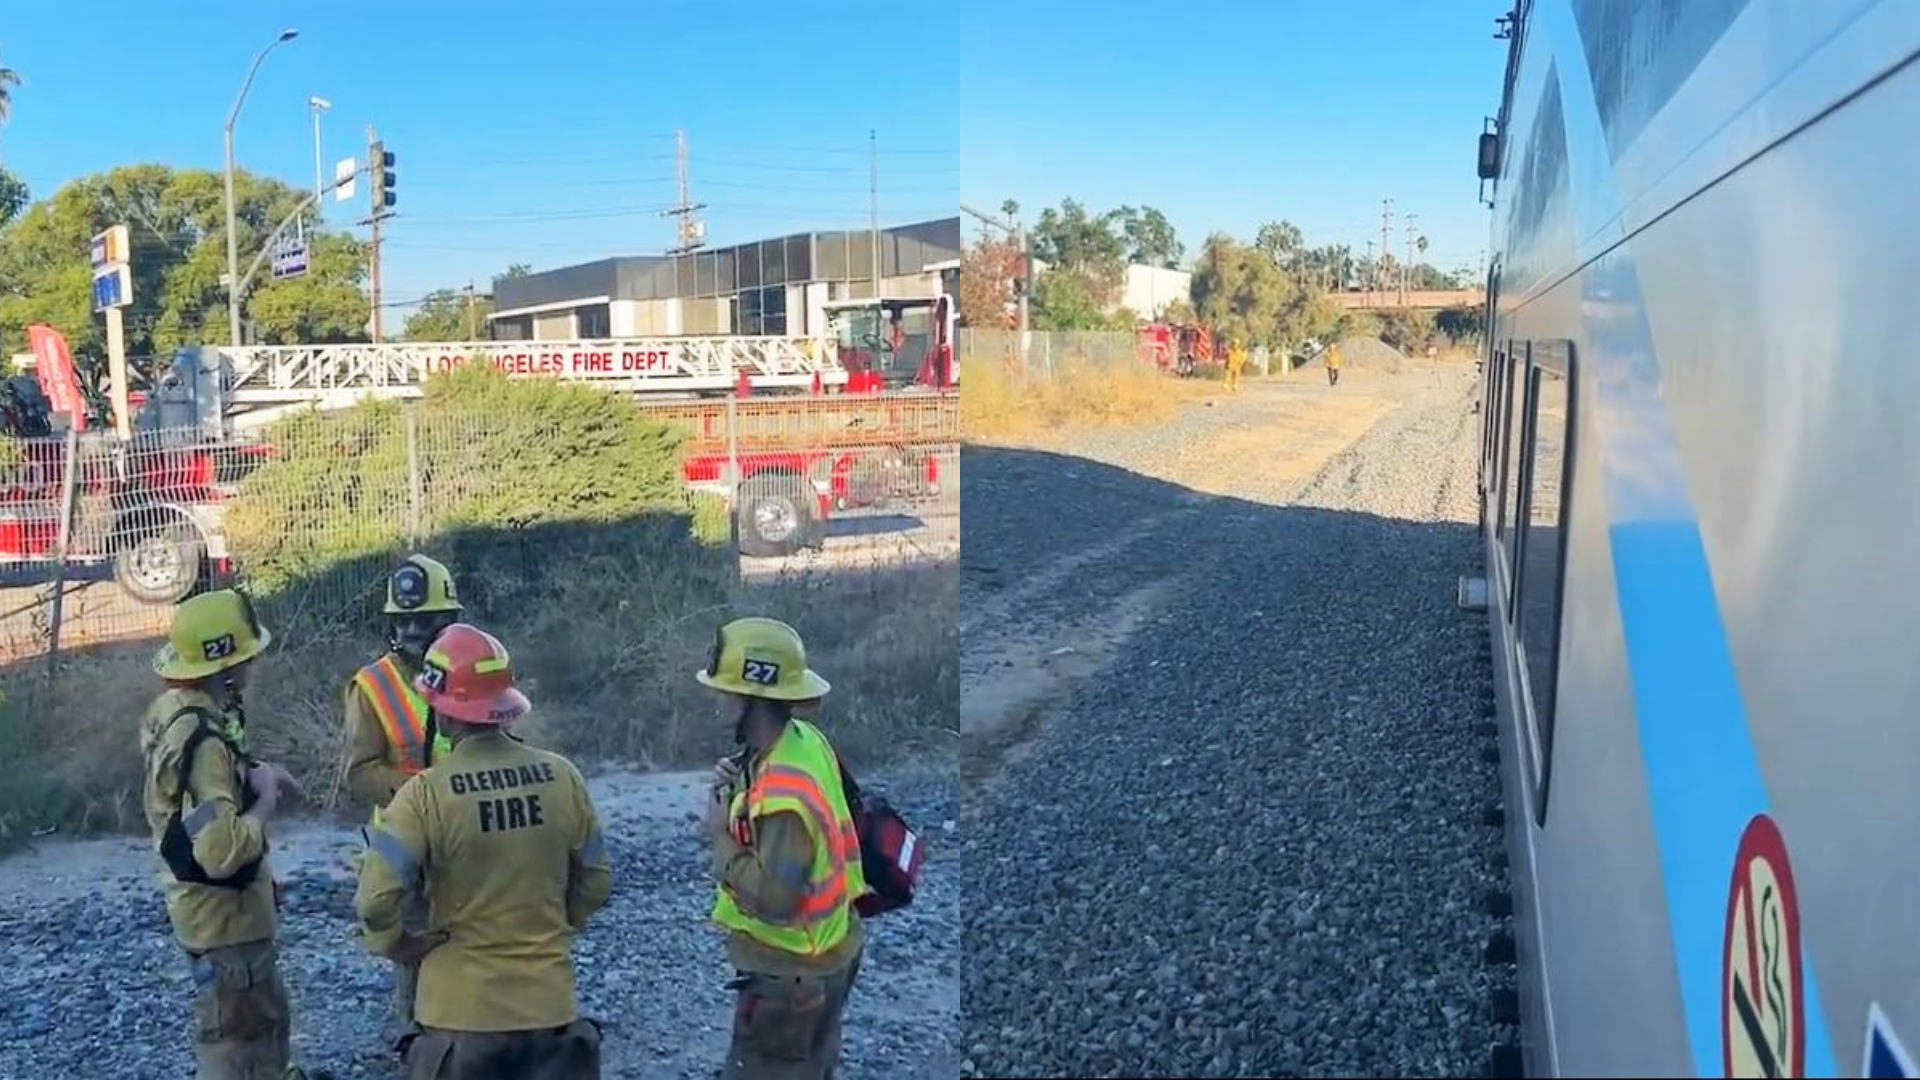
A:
{"x": 863, "y": 352}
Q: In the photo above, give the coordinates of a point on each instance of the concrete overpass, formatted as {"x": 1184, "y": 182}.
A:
{"x": 1416, "y": 300}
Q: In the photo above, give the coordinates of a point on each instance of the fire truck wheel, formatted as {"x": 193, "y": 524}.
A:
{"x": 160, "y": 564}
{"x": 775, "y": 516}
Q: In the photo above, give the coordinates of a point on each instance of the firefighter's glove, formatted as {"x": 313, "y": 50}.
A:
{"x": 412, "y": 947}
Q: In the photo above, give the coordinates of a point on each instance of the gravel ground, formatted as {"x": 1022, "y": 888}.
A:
{"x": 1250, "y": 843}
{"x": 88, "y": 971}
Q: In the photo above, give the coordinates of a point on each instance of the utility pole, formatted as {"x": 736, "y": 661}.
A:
{"x": 693, "y": 233}
{"x": 1373, "y": 273}
{"x": 473, "y": 333}
{"x": 1386, "y": 222}
{"x": 1406, "y": 268}
{"x": 374, "y": 212}
{"x": 873, "y": 204}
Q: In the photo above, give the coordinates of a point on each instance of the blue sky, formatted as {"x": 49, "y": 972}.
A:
{"x": 1225, "y": 115}
{"x": 524, "y": 132}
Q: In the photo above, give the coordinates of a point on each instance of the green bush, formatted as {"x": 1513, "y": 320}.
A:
{"x": 561, "y": 511}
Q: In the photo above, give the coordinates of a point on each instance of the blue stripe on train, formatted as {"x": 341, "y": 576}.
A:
{"x": 1703, "y": 775}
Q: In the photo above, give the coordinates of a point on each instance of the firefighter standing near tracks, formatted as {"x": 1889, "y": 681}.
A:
{"x": 503, "y": 841}
{"x": 1236, "y": 360}
{"x": 787, "y": 859}
{"x": 390, "y": 731}
{"x": 208, "y": 803}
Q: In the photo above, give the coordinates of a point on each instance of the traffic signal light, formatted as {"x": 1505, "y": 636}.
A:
{"x": 383, "y": 178}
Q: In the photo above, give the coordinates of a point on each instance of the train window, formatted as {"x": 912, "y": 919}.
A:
{"x": 1513, "y": 441}
{"x": 1547, "y": 475}
{"x": 1489, "y": 416}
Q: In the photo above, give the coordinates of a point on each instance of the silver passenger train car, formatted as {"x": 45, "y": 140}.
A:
{"x": 1702, "y": 523}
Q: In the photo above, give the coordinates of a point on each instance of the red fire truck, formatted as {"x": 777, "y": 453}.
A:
{"x": 1179, "y": 348}
{"x": 894, "y": 343}
{"x": 147, "y": 512}
{"x": 803, "y": 461}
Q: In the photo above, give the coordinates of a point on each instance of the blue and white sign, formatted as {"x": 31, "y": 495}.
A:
{"x": 113, "y": 287}
{"x": 290, "y": 260}
{"x": 1884, "y": 1056}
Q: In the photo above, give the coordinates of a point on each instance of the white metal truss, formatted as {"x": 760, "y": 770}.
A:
{"x": 336, "y": 375}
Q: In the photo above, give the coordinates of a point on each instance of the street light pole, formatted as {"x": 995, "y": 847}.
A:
{"x": 318, "y": 105}
{"x": 233, "y": 239}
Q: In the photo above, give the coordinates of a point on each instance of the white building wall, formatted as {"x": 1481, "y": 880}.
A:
{"x": 623, "y": 318}
{"x": 1149, "y": 289}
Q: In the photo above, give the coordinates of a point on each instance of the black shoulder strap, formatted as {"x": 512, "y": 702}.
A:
{"x": 206, "y": 726}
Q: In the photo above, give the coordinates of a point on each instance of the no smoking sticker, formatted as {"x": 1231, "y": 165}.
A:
{"x": 1762, "y": 1007}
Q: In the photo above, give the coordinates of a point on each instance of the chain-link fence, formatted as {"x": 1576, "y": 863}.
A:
{"x": 829, "y": 486}
{"x": 602, "y": 547}
{"x": 1049, "y": 352}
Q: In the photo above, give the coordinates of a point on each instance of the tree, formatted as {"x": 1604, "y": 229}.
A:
{"x": 1064, "y": 300}
{"x": 986, "y": 283}
{"x": 1070, "y": 239}
{"x": 518, "y": 270}
{"x": 450, "y": 315}
{"x": 1281, "y": 243}
{"x": 1241, "y": 290}
{"x": 1149, "y": 236}
{"x": 176, "y": 226}
{"x": 9, "y": 79}
{"x": 13, "y": 197}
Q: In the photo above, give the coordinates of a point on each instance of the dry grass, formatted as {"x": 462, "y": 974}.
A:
{"x": 606, "y": 651}
{"x": 999, "y": 404}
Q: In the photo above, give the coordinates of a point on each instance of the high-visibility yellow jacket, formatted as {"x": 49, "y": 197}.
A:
{"x": 387, "y": 732}
{"x": 504, "y": 840}
{"x": 224, "y": 840}
{"x": 789, "y": 868}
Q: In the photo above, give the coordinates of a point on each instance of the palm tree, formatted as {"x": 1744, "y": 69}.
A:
{"x": 9, "y": 79}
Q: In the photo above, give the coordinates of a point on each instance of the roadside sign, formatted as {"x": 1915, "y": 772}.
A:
{"x": 113, "y": 287}
{"x": 343, "y": 176}
{"x": 110, "y": 247}
{"x": 290, "y": 260}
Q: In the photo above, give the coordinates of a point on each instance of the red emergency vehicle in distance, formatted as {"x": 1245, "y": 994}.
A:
{"x": 894, "y": 343}
{"x": 1179, "y": 348}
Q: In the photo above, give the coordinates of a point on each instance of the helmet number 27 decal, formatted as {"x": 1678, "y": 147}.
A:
{"x": 218, "y": 648}
{"x": 761, "y": 672}
{"x": 1763, "y": 1010}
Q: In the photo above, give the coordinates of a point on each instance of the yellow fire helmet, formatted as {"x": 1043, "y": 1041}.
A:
{"x": 763, "y": 658}
{"x": 421, "y": 585}
{"x": 211, "y": 632}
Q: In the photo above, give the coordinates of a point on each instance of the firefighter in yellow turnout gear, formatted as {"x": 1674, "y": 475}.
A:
{"x": 390, "y": 733}
{"x": 787, "y": 859}
{"x": 503, "y": 840}
{"x": 1236, "y": 363}
{"x": 208, "y": 803}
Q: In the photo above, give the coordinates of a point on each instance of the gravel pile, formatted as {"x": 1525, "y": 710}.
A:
{"x": 1372, "y": 354}
{"x": 1252, "y": 845}
{"x": 92, "y": 976}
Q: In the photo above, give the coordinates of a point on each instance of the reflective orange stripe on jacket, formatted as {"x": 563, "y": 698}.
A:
{"x": 823, "y": 899}
{"x": 399, "y": 712}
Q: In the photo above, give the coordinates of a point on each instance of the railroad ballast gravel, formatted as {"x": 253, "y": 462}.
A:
{"x": 1251, "y": 844}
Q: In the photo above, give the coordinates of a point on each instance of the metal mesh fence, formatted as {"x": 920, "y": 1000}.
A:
{"x": 313, "y": 513}
{"x": 1049, "y": 352}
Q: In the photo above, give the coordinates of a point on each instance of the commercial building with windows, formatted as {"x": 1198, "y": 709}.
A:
{"x": 772, "y": 287}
